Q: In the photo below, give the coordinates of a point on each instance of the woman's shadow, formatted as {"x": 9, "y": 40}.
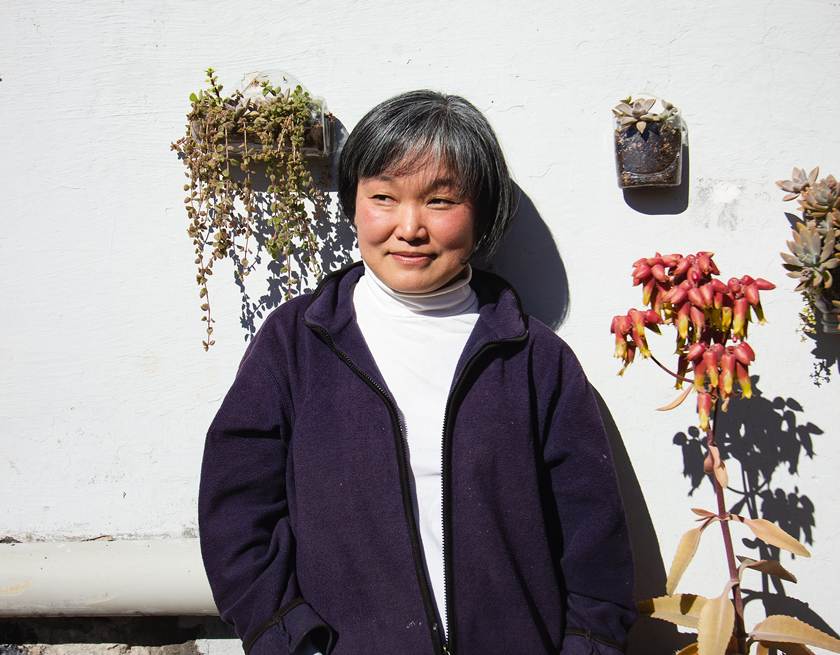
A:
{"x": 528, "y": 258}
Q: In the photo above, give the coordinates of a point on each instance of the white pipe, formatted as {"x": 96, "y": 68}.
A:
{"x": 104, "y": 578}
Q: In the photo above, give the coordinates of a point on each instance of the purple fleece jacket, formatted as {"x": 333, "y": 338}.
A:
{"x": 305, "y": 507}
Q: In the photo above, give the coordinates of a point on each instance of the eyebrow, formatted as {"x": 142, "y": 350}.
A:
{"x": 435, "y": 184}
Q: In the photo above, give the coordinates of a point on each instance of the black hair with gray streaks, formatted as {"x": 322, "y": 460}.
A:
{"x": 411, "y": 130}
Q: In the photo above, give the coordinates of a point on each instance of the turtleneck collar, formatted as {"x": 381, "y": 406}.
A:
{"x": 451, "y": 300}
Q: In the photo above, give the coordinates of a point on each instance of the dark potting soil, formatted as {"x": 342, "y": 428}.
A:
{"x": 649, "y": 159}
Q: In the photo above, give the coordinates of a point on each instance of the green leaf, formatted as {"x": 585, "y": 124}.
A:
{"x": 193, "y": 97}
{"x": 717, "y": 619}
{"x": 681, "y": 609}
{"x": 779, "y": 628}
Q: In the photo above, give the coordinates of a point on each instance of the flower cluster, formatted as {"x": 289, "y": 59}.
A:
{"x": 707, "y": 313}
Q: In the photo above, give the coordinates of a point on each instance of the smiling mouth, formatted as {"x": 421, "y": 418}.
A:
{"x": 412, "y": 257}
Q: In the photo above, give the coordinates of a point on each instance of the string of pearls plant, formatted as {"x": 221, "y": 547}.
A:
{"x": 230, "y": 142}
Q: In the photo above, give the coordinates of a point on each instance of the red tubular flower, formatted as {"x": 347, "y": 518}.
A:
{"x": 743, "y": 353}
{"x": 734, "y": 285}
{"x": 708, "y": 293}
{"x": 682, "y": 266}
{"x": 704, "y": 409}
{"x": 696, "y": 351}
{"x": 751, "y": 293}
{"x": 739, "y": 316}
{"x": 710, "y": 359}
{"x": 727, "y": 369}
{"x": 696, "y": 297}
{"x": 699, "y": 375}
{"x": 647, "y": 290}
{"x": 743, "y": 379}
{"x": 698, "y": 319}
{"x": 658, "y": 271}
{"x": 764, "y": 285}
{"x": 640, "y": 342}
{"x": 746, "y": 281}
{"x": 676, "y": 296}
{"x": 682, "y": 320}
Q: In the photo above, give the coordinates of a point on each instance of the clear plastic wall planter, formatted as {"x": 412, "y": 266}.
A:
{"x": 649, "y": 135}
{"x": 317, "y": 141}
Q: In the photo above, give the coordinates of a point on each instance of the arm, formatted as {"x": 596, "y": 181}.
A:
{"x": 596, "y": 559}
{"x": 246, "y": 538}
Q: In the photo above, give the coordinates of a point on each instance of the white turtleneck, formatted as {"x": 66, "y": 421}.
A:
{"x": 416, "y": 341}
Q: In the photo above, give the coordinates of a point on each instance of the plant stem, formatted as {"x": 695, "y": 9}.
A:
{"x": 740, "y": 628}
{"x": 670, "y": 372}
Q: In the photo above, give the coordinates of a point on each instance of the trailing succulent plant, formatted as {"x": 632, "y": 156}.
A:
{"x": 637, "y": 114}
{"x": 230, "y": 140}
{"x": 814, "y": 251}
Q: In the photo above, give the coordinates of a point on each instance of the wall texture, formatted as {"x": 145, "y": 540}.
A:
{"x": 105, "y": 391}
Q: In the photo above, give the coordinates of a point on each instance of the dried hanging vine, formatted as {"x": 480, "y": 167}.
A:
{"x": 231, "y": 140}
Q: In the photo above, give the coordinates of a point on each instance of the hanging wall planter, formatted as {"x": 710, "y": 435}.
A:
{"x": 648, "y": 143}
{"x": 249, "y": 184}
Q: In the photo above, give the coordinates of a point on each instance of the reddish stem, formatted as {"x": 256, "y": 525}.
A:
{"x": 723, "y": 514}
{"x": 670, "y": 372}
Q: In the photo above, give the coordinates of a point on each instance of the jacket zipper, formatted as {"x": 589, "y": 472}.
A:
{"x": 405, "y": 487}
{"x": 450, "y": 638}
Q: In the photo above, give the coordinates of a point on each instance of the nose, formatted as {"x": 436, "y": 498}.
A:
{"x": 410, "y": 225}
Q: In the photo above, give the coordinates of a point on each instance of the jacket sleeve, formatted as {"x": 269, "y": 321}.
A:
{"x": 247, "y": 542}
{"x": 595, "y": 554}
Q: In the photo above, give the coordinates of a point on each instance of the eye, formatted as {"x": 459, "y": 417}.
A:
{"x": 381, "y": 197}
{"x": 442, "y": 201}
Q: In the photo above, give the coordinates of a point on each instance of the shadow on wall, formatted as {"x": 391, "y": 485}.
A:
{"x": 648, "y": 636}
{"x": 529, "y": 260}
{"x": 826, "y": 352}
{"x": 763, "y": 436}
{"x": 290, "y": 276}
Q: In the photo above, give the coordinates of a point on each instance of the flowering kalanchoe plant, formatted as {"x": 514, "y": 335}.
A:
{"x": 711, "y": 320}
{"x": 815, "y": 250}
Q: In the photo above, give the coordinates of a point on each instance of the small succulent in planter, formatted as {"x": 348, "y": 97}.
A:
{"x": 648, "y": 143}
{"x": 815, "y": 250}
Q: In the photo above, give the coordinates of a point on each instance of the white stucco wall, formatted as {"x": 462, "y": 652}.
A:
{"x": 105, "y": 392}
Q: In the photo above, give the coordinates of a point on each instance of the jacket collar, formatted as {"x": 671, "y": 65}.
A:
{"x": 331, "y": 316}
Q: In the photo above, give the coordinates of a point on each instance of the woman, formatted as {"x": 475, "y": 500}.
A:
{"x": 406, "y": 463}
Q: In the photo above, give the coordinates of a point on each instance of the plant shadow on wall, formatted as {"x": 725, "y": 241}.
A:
{"x": 765, "y": 437}
{"x": 333, "y": 233}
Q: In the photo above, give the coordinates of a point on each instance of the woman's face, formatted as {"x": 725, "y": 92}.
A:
{"x": 415, "y": 230}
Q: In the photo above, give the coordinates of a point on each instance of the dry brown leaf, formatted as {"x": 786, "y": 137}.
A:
{"x": 778, "y": 628}
{"x": 717, "y": 619}
{"x": 768, "y": 566}
{"x": 772, "y": 534}
{"x": 681, "y": 609}
{"x": 706, "y": 514}
{"x": 677, "y": 401}
{"x": 685, "y": 553}
{"x": 787, "y": 648}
